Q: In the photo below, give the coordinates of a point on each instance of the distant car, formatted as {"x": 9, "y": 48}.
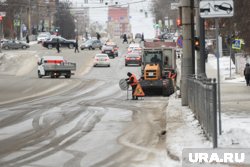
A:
{"x": 133, "y": 59}
{"x": 91, "y": 44}
{"x": 138, "y": 35}
{"x": 101, "y": 60}
{"x": 14, "y": 44}
{"x": 109, "y": 50}
{"x": 135, "y": 47}
{"x": 43, "y": 36}
{"x": 63, "y": 42}
{"x": 114, "y": 46}
{"x": 224, "y": 6}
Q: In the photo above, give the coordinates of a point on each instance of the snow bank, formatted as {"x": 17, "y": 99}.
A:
{"x": 183, "y": 130}
{"x": 17, "y": 64}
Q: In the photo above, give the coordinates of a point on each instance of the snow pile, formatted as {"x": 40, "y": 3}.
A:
{"x": 183, "y": 130}
{"x": 224, "y": 69}
{"x": 17, "y": 64}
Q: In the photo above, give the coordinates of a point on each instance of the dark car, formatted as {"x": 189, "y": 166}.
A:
{"x": 14, "y": 44}
{"x": 63, "y": 43}
{"x": 133, "y": 59}
{"x": 114, "y": 46}
{"x": 109, "y": 50}
{"x": 138, "y": 35}
{"x": 91, "y": 44}
{"x": 224, "y": 6}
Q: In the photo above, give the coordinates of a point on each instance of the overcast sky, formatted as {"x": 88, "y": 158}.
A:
{"x": 98, "y": 11}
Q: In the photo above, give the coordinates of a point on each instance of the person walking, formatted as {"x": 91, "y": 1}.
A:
{"x": 27, "y": 38}
{"x": 58, "y": 45}
{"x": 142, "y": 37}
{"x": 132, "y": 81}
{"x": 76, "y": 46}
{"x": 98, "y": 36}
{"x": 125, "y": 39}
{"x": 247, "y": 74}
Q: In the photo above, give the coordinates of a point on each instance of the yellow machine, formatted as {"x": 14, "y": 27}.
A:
{"x": 158, "y": 70}
{"x": 152, "y": 72}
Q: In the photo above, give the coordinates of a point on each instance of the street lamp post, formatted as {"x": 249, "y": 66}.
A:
{"x": 76, "y": 28}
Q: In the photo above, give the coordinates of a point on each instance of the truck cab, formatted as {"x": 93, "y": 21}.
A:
{"x": 54, "y": 66}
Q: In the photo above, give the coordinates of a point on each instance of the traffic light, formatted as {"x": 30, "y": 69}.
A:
{"x": 197, "y": 43}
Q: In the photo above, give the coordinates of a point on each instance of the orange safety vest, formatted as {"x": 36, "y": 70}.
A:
{"x": 135, "y": 81}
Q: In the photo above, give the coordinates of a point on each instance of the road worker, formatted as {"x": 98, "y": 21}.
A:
{"x": 132, "y": 81}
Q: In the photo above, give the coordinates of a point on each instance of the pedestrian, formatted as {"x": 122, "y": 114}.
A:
{"x": 247, "y": 74}
{"x": 98, "y": 36}
{"x": 132, "y": 81}
{"x": 27, "y": 38}
{"x": 58, "y": 45}
{"x": 76, "y": 46}
{"x": 142, "y": 37}
{"x": 125, "y": 39}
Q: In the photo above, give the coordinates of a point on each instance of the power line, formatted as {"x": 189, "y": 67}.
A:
{"x": 106, "y": 6}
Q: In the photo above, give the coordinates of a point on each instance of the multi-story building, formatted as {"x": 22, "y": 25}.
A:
{"x": 118, "y": 21}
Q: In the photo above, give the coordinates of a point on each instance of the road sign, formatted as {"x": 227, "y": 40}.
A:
{"x": 3, "y": 14}
{"x": 237, "y": 43}
{"x": 218, "y": 8}
{"x": 180, "y": 41}
{"x": 138, "y": 91}
{"x": 175, "y": 6}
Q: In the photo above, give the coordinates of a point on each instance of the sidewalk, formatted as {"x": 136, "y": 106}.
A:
{"x": 183, "y": 130}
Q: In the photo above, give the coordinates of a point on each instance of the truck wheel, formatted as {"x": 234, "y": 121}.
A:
{"x": 68, "y": 75}
{"x": 71, "y": 46}
{"x": 90, "y": 48}
{"x": 168, "y": 89}
{"x": 24, "y": 47}
{"x": 6, "y": 47}
{"x": 39, "y": 74}
{"x": 50, "y": 46}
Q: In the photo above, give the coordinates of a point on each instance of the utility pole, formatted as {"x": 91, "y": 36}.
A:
{"x": 187, "y": 59}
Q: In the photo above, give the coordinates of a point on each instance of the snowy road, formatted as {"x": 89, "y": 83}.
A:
{"x": 88, "y": 124}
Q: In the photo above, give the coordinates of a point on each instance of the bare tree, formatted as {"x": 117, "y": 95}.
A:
{"x": 162, "y": 10}
{"x": 65, "y": 21}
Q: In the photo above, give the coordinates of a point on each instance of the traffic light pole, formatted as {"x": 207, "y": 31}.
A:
{"x": 200, "y": 33}
{"x": 187, "y": 58}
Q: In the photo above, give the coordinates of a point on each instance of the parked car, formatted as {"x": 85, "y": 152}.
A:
{"x": 133, "y": 59}
{"x": 63, "y": 42}
{"x": 114, "y": 46}
{"x": 101, "y": 60}
{"x": 91, "y": 44}
{"x": 43, "y": 36}
{"x": 14, "y": 44}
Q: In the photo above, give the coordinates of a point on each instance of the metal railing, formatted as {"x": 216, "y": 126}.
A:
{"x": 202, "y": 100}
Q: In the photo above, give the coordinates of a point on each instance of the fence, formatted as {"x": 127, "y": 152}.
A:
{"x": 202, "y": 100}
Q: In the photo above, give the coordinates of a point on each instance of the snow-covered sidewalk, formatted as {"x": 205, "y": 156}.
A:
{"x": 184, "y": 131}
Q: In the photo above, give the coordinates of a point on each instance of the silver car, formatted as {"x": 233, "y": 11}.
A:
{"x": 91, "y": 44}
{"x": 14, "y": 44}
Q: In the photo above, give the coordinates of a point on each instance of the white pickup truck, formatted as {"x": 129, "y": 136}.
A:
{"x": 55, "y": 66}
